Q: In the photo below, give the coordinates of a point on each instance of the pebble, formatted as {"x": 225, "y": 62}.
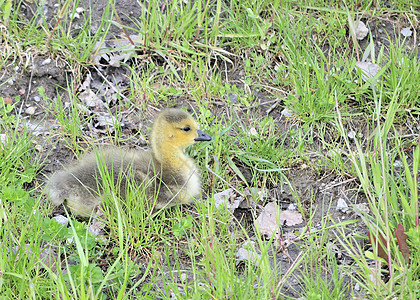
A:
{"x": 3, "y": 138}
{"x": 398, "y": 164}
{"x": 287, "y": 112}
{"x": 361, "y": 30}
{"x": 253, "y": 131}
{"x": 46, "y": 62}
{"x": 61, "y": 219}
{"x": 30, "y": 110}
{"x": 37, "y": 98}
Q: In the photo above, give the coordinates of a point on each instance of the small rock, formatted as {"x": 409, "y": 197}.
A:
{"x": 46, "y": 62}
{"x": 21, "y": 92}
{"x": 351, "y": 135}
{"x": 287, "y": 112}
{"x": 30, "y": 110}
{"x": 398, "y": 164}
{"x": 183, "y": 276}
{"x": 3, "y": 138}
{"x": 61, "y": 219}
{"x": 80, "y": 10}
{"x": 253, "y": 131}
{"x": 39, "y": 148}
{"x": 37, "y": 98}
{"x": 361, "y": 30}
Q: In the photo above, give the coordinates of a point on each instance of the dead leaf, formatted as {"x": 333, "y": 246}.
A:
{"x": 361, "y": 208}
{"x": 96, "y": 227}
{"x": 342, "y": 205}
{"x": 222, "y": 198}
{"x": 86, "y": 83}
{"x": 381, "y": 251}
{"x": 369, "y": 70}
{"x": 105, "y": 120}
{"x": 90, "y": 99}
{"x": 7, "y": 100}
{"x": 115, "y": 59}
{"x": 290, "y": 217}
{"x": 114, "y": 52}
{"x": 402, "y": 243}
{"x": 270, "y": 220}
{"x": 266, "y": 222}
{"x": 406, "y": 32}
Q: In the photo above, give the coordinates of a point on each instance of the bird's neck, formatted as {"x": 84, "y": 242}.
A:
{"x": 170, "y": 156}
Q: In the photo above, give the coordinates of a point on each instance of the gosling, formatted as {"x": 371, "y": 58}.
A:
{"x": 166, "y": 174}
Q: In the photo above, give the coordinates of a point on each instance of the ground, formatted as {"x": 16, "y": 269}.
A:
{"x": 70, "y": 107}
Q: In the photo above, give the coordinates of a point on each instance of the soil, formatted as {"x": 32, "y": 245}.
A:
{"x": 319, "y": 190}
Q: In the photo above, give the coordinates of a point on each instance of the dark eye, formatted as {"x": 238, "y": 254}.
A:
{"x": 186, "y": 128}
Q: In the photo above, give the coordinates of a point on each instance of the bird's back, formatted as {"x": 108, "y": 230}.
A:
{"x": 117, "y": 171}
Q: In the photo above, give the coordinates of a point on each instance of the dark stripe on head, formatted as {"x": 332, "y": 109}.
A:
{"x": 173, "y": 115}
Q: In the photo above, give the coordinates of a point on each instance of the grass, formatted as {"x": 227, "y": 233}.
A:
{"x": 232, "y": 62}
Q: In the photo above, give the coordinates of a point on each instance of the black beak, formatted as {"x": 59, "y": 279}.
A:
{"x": 202, "y": 136}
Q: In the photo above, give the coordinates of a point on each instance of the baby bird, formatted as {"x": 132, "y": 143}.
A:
{"x": 167, "y": 175}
